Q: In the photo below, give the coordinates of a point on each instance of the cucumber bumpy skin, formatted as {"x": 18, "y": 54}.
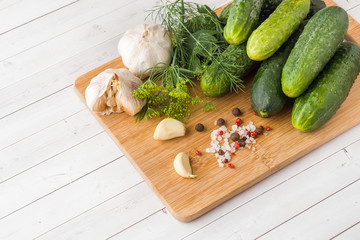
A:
{"x": 243, "y": 19}
{"x": 329, "y": 90}
{"x": 315, "y": 47}
{"x": 276, "y": 29}
{"x": 266, "y": 95}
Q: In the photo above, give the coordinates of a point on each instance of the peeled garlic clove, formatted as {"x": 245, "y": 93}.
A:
{"x": 169, "y": 128}
{"x": 182, "y": 165}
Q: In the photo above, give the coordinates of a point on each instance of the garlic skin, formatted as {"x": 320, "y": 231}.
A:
{"x": 144, "y": 46}
{"x": 182, "y": 165}
{"x": 111, "y": 92}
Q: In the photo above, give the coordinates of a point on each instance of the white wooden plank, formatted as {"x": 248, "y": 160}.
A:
{"x": 59, "y": 76}
{"x": 355, "y": 13}
{"x": 56, "y": 172}
{"x": 325, "y": 219}
{"x": 47, "y": 143}
{"x": 25, "y": 11}
{"x": 266, "y": 212}
{"x": 47, "y": 27}
{"x": 108, "y": 218}
{"x": 7, "y": 3}
{"x": 351, "y": 233}
{"x": 73, "y": 42}
{"x": 347, "y": 4}
{"x": 285, "y": 183}
{"x": 38, "y": 116}
{"x": 70, "y": 201}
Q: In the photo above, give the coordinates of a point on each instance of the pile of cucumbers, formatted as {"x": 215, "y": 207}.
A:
{"x": 303, "y": 53}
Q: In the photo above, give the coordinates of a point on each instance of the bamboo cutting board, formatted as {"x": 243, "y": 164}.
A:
{"x": 187, "y": 199}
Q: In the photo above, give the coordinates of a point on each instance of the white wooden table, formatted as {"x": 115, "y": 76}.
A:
{"x": 62, "y": 177}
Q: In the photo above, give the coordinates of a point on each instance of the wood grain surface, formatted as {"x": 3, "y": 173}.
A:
{"x": 187, "y": 199}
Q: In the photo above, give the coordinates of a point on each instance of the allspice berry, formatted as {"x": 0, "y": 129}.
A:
{"x": 234, "y": 137}
{"x": 259, "y": 130}
{"x": 199, "y": 127}
{"x": 220, "y": 122}
{"x": 242, "y": 143}
{"x": 221, "y": 152}
{"x": 236, "y": 112}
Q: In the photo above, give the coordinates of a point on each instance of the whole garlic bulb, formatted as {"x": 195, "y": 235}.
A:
{"x": 111, "y": 91}
{"x": 145, "y": 46}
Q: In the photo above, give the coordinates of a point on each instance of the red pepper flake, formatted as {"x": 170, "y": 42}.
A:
{"x": 268, "y": 128}
{"x": 220, "y": 132}
{"x": 226, "y": 161}
{"x": 253, "y": 134}
{"x": 254, "y": 113}
{"x": 233, "y": 153}
{"x": 197, "y": 152}
{"x": 248, "y": 133}
{"x": 231, "y": 165}
{"x": 238, "y": 121}
{"x": 236, "y": 145}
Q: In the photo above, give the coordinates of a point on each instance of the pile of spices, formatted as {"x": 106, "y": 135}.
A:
{"x": 225, "y": 142}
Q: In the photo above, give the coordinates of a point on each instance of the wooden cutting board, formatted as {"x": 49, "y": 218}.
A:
{"x": 187, "y": 199}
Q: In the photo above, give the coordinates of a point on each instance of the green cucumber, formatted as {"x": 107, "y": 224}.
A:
{"x": 215, "y": 80}
{"x": 243, "y": 19}
{"x": 315, "y": 47}
{"x": 266, "y": 95}
{"x": 329, "y": 90}
{"x": 267, "y": 8}
{"x": 276, "y": 29}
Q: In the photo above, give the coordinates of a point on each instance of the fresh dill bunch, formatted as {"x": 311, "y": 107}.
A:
{"x": 173, "y": 102}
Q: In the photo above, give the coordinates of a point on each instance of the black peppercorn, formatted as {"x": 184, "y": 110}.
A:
{"x": 220, "y": 122}
{"x": 236, "y": 112}
{"x": 221, "y": 152}
{"x": 234, "y": 136}
{"x": 244, "y": 138}
{"x": 199, "y": 127}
